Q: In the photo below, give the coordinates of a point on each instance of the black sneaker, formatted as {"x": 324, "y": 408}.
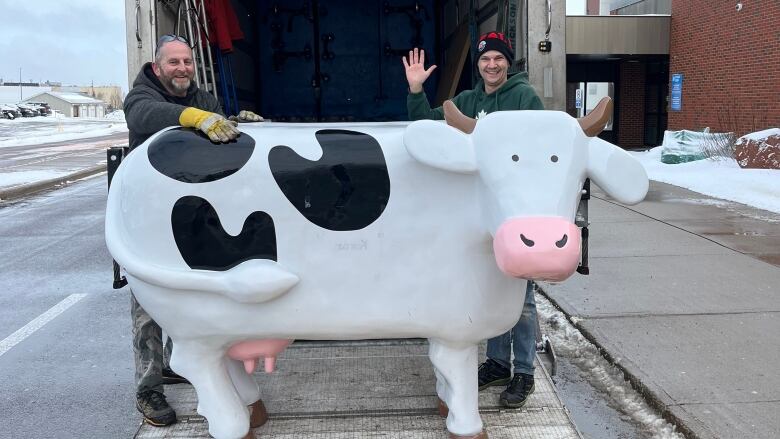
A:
{"x": 155, "y": 408}
{"x": 171, "y": 377}
{"x": 491, "y": 373}
{"x": 518, "y": 391}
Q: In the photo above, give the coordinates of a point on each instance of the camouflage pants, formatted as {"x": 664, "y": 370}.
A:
{"x": 150, "y": 355}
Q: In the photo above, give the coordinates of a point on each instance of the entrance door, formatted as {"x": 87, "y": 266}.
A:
{"x": 338, "y": 60}
{"x": 586, "y": 96}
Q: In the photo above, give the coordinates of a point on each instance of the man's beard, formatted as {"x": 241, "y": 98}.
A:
{"x": 173, "y": 85}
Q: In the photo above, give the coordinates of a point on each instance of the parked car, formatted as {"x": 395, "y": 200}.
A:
{"x": 42, "y": 107}
{"x": 27, "y": 111}
{"x": 9, "y": 111}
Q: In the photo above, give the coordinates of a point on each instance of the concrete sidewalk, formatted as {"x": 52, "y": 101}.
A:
{"x": 684, "y": 296}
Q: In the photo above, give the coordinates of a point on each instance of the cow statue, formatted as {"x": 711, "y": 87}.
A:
{"x": 353, "y": 231}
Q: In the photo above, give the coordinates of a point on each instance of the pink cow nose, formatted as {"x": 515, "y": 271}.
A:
{"x": 537, "y": 248}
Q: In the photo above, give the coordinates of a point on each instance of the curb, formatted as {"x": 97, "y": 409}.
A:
{"x": 24, "y": 190}
{"x": 653, "y": 395}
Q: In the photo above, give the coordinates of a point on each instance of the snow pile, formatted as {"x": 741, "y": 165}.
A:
{"x": 721, "y": 179}
{"x": 760, "y": 150}
{"x": 116, "y": 115}
{"x": 603, "y": 376}
{"x": 40, "y": 130}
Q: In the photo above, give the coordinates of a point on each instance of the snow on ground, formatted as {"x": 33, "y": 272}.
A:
{"x": 17, "y": 178}
{"x": 720, "y": 179}
{"x": 38, "y": 130}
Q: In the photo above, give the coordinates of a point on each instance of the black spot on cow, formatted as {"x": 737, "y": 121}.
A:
{"x": 190, "y": 157}
{"x": 205, "y": 245}
{"x": 346, "y": 189}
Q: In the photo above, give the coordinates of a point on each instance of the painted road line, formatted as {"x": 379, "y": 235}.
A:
{"x": 30, "y": 328}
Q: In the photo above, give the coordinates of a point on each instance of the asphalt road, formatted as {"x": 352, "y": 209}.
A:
{"x": 73, "y": 377}
{"x": 70, "y": 153}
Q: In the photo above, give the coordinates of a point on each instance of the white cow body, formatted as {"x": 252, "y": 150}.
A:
{"x": 424, "y": 268}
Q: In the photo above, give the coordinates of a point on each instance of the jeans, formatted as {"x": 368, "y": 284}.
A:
{"x": 520, "y": 340}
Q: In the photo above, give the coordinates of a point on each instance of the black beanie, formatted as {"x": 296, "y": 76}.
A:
{"x": 495, "y": 41}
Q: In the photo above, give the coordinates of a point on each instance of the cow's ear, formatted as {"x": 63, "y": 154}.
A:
{"x": 616, "y": 172}
{"x": 440, "y": 146}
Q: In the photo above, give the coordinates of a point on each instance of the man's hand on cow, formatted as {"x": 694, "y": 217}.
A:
{"x": 246, "y": 116}
{"x": 416, "y": 74}
{"x": 214, "y": 125}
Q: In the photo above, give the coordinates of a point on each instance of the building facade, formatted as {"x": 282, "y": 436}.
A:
{"x": 727, "y": 54}
{"x": 721, "y": 55}
{"x": 71, "y": 104}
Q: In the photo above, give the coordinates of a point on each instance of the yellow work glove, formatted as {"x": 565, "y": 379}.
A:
{"x": 216, "y": 127}
{"x": 246, "y": 116}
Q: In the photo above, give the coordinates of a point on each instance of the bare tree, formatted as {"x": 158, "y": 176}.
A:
{"x": 722, "y": 146}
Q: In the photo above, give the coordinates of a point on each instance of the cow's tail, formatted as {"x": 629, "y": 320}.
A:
{"x": 253, "y": 281}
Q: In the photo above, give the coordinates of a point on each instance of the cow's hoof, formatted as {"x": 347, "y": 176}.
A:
{"x": 481, "y": 435}
{"x": 443, "y": 409}
{"x": 259, "y": 415}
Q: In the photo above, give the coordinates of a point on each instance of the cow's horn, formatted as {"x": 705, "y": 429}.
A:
{"x": 595, "y": 121}
{"x": 456, "y": 119}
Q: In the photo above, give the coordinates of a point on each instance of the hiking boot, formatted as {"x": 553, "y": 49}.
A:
{"x": 171, "y": 377}
{"x": 491, "y": 373}
{"x": 155, "y": 408}
{"x": 518, "y": 391}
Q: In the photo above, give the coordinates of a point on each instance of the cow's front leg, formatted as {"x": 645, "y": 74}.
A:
{"x": 457, "y": 364}
{"x": 442, "y": 391}
{"x": 206, "y": 368}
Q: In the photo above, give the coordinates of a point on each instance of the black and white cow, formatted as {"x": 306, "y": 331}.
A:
{"x": 352, "y": 231}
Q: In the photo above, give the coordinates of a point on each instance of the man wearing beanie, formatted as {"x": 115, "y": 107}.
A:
{"x": 494, "y": 92}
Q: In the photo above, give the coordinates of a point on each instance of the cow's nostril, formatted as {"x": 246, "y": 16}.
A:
{"x": 526, "y": 241}
{"x": 562, "y": 242}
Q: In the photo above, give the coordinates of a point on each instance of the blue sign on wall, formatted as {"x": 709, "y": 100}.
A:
{"x": 677, "y": 82}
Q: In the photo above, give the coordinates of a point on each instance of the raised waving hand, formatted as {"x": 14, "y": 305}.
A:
{"x": 416, "y": 73}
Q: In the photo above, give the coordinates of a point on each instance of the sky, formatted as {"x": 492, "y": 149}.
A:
{"x": 575, "y": 7}
{"x": 74, "y": 42}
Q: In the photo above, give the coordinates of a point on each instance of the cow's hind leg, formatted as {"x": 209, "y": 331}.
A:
{"x": 218, "y": 400}
{"x": 248, "y": 391}
{"x": 457, "y": 364}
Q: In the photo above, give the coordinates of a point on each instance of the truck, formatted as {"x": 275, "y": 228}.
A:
{"x": 337, "y": 60}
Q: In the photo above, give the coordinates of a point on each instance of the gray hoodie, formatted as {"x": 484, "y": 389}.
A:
{"x": 150, "y": 108}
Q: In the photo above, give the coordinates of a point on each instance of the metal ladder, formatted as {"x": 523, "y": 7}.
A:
{"x": 191, "y": 14}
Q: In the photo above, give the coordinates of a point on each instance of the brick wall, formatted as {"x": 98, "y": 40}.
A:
{"x": 729, "y": 61}
{"x": 592, "y": 7}
{"x": 631, "y": 105}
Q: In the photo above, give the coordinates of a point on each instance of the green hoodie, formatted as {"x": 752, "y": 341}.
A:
{"x": 515, "y": 94}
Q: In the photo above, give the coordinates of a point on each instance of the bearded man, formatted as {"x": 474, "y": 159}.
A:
{"x": 163, "y": 95}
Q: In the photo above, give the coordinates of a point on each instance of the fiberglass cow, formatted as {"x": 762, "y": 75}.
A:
{"x": 336, "y": 231}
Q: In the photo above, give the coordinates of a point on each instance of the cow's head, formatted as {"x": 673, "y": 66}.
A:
{"x": 531, "y": 167}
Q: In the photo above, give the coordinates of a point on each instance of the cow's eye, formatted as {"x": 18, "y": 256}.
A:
{"x": 554, "y": 158}
{"x": 515, "y": 158}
